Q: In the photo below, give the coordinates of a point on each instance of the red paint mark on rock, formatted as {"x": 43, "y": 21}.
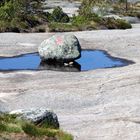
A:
{"x": 59, "y": 41}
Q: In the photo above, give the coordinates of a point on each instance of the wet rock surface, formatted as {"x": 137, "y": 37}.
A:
{"x": 101, "y": 104}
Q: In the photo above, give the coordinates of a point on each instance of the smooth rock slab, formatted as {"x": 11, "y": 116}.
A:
{"x": 38, "y": 116}
{"x": 60, "y": 48}
{"x": 93, "y": 105}
{"x": 113, "y": 16}
{"x": 132, "y": 20}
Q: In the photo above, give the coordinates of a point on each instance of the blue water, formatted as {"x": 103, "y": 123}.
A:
{"x": 28, "y": 61}
{"x": 98, "y": 59}
{"x": 89, "y": 60}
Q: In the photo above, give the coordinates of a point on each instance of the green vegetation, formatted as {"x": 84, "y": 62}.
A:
{"x": 125, "y": 8}
{"x": 11, "y": 127}
{"x": 29, "y": 16}
{"x": 63, "y": 27}
{"x": 112, "y": 23}
{"x": 58, "y": 16}
{"x": 89, "y": 22}
{"x": 21, "y": 16}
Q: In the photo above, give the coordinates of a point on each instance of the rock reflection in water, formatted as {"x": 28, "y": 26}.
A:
{"x": 44, "y": 65}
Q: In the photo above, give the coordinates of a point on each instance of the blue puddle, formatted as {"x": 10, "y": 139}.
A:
{"x": 90, "y": 60}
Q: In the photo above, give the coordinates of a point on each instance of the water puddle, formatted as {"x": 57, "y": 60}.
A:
{"x": 89, "y": 60}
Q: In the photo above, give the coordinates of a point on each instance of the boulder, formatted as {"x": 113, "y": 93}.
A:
{"x": 132, "y": 20}
{"x": 112, "y": 16}
{"x": 38, "y": 116}
{"x": 60, "y": 48}
{"x": 101, "y": 11}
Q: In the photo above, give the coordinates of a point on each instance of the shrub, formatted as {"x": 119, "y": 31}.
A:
{"x": 40, "y": 29}
{"x": 79, "y": 20}
{"x": 122, "y": 24}
{"x": 4, "y": 26}
{"x": 7, "y": 11}
{"x": 64, "y": 27}
{"x": 59, "y": 16}
{"x": 61, "y": 27}
{"x": 112, "y": 23}
{"x": 2, "y": 127}
{"x": 86, "y": 8}
{"x": 49, "y": 17}
{"x": 21, "y": 16}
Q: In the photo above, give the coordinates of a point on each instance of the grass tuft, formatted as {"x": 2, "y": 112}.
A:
{"x": 10, "y": 125}
{"x": 64, "y": 136}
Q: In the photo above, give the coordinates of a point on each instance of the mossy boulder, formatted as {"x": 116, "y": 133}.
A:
{"x": 40, "y": 116}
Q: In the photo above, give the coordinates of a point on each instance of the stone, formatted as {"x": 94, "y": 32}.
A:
{"x": 101, "y": 11}
{"x": 113, "y": 16}
{"x": 132, "y": 20}
{"x": 38, "y": 116}
{"x": 60, "y": 48}
{"x": 70, "y": 63}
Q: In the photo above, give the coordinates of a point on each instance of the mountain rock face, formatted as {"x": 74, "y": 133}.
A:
{"x": 60, "y": 48}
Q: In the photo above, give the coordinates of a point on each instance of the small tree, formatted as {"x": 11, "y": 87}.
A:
{"x": 59, "y": 16}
